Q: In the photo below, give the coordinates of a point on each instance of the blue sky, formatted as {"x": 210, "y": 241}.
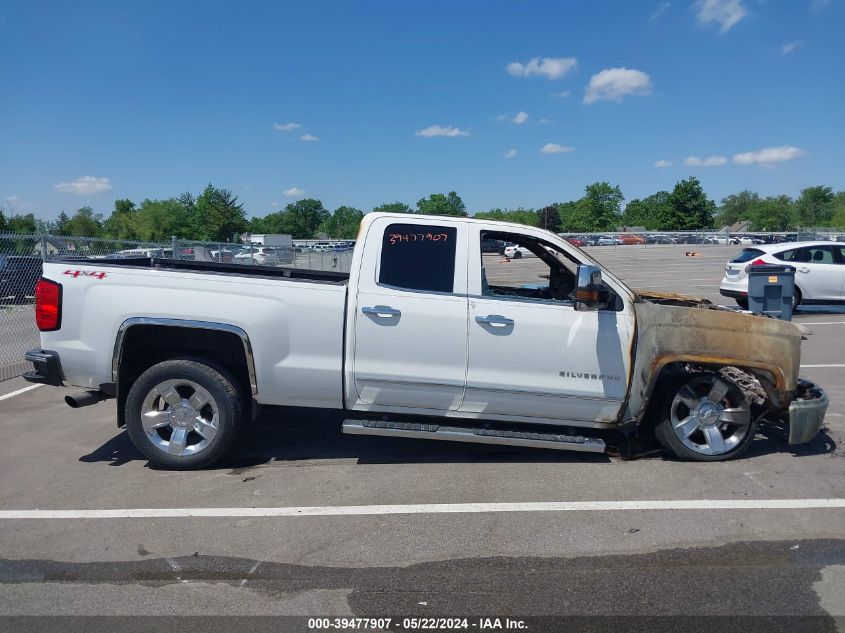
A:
{"x": 106, "y": 100}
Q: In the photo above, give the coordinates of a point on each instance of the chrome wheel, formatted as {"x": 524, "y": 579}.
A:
{"x": 179, "y": 417}
{"x": 710, "y": 415}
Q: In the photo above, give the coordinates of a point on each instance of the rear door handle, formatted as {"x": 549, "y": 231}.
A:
{"x": 494, "y": 319}
{"x": 381, "y": 311}
{"x": 803, "y": 269}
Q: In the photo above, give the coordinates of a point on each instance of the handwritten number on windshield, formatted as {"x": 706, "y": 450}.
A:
{"x": 412, "y": 238}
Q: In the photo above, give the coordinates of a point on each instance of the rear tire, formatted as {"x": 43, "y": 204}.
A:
{"x": 742, "y": 302}
{"x": 704, "y": 417}
{"x": 517, "y": 255}
{"x": 184, "y": 414}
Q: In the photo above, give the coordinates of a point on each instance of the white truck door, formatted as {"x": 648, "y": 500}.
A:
{"x": 531, "y": 353}
{"x": 410, "y": 316}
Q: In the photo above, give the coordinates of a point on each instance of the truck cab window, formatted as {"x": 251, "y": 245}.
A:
{"x": 526, "y": 268}
{"x": 418, "y": 257}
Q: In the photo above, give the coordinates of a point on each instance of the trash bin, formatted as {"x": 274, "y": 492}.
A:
{"x": 770, "y": 290}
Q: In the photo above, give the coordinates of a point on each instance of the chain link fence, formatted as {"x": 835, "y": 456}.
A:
{"x": 22, "y": 257}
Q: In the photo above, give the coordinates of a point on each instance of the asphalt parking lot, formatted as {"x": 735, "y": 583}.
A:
{"x": 369, "y": 529}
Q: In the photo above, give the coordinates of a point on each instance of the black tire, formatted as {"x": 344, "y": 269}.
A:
{"x": 742, "y": 302}
{"x": 666, "y": 435}
{"x": 227, "y": 399}
{"x": 517, "y": 255}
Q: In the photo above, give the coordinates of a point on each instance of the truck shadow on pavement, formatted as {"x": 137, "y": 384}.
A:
{"x": 301, "y": 435}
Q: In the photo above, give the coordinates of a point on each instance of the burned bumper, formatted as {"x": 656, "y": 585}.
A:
{"x": 806, "y": 412}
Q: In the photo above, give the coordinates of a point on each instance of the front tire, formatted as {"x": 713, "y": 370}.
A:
{"x": 704, "y": 417}
{"x": 517, "y": 255}
{"x": 184, "y": 414}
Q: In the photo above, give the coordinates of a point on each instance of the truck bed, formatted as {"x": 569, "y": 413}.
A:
{"x": 248, "y": 270}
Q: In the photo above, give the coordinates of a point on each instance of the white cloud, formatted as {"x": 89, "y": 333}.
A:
{"x": 439, "y": 130}
{"x": 791, "y": 47}
{"x": 613, "y": 84}
{"x": 84, "y": 185}
{"x": 710, "y": 161}
{"x": 562, "y": 94}
{"x": 663, "y": 163}
{"x": 543, "y": 121}
{"x": 308, "y": 137}
{"x": 555, "y": 148}
{"x": 549, "y": 67}
{"x": 726, "y": 12}
{"x": 661, "y": 9}
{"x": 818, "y": 5}
{"x": 520, "y": 117}
{"x": 511, "y": 153}
{"x": 293, "y": 192}
{"x": 286, "y": 127}
{"x": 769, "y": 155}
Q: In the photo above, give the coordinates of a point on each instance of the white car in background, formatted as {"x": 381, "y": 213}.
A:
{"x": 819, "y": 271}
{"x": 517, "y": 252}
{"x": 261, "y": 255}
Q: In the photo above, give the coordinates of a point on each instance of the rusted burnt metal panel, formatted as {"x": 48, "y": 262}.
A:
{"x": 671, "y": 333}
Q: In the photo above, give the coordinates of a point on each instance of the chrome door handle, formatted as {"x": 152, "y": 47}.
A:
{"x": 494, "y": 319}
{"x": 803, "y": 270}
{"x": 381, "y": 311}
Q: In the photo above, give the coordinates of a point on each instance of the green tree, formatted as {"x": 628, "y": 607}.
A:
{"x": 839, "y": 210}
{"x": 439, "y": 204}
{"x": 598, "y": 210}
{"x": 84, "y": 223}
{"x": 771, "y": 214}
{"x": 216, "y": 214}
{"x": 815, "y": 206}
{"x": 159, "y": 220}
{"x": 549, "y": 218}
{"x": 653, "y": 212}
{"x": 301, "y": 219}
{"x": 61, "y": 224}
{"x": 736, "y": 207}
{"x": 22, "y": 223}
{"x": 517, "y": 216}
{"x": 393, "y": 207}
{"x": 122, "y": 224}
{"x": 690, "y": 207}
{"x": 4, "y": 225}
{"x": 343, "y": 223}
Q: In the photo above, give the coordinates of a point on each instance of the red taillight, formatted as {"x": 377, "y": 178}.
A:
{"x": 48, "y": 305}
{"x": 756, "y": 262}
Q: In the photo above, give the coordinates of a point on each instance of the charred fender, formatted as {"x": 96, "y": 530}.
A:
{"x": 689, "y": 329}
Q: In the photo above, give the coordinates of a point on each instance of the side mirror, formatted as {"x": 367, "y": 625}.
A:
{"x": 590, "y": 291}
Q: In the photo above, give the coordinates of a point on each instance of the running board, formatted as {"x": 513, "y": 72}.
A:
{"x": 478, "y": 436}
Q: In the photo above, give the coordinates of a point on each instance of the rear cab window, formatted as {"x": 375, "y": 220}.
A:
{"x": 418, "y": 257}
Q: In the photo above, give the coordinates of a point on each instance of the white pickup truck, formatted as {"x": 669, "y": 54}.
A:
{"x": 426, "y": 337}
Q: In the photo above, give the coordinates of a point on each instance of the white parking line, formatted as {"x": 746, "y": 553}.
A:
{"x": 19, "y": 392}
{"x": 817, "y": 366}
{"x": 821, "y": 322}
{"x": 432, "y": 508}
